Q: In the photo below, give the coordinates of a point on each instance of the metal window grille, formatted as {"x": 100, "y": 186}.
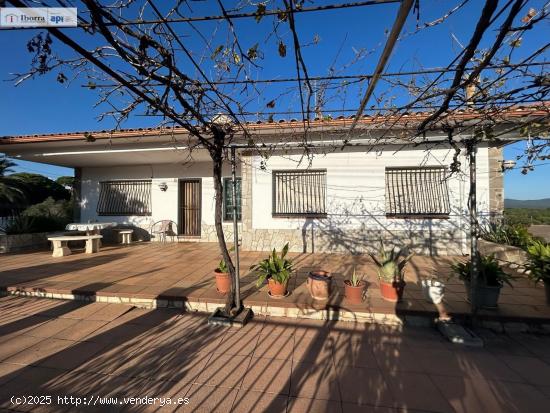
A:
{"x": 417, "y": 191}
{"x": 299, "y": 193}
{"x": 228, "y": 199}
{"x": 124, "y": 198}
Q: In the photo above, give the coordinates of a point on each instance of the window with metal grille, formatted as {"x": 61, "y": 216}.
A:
{"x": 228, "y": 199}
{"x": 417, "y": 192}
{"x": 299, "y": 193}
{"x": 124, "y": 198}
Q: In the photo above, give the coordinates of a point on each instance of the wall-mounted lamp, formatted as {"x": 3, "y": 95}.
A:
{"x": 163, "y": 187}
{"x": 507, "y": 165}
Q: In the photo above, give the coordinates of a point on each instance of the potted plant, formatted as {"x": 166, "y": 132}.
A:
{"x": 539, "y": 265}
{"x": 277, "y": 270}
{"x": 354, "y": 288}
{"x": 490, "y": 280}
{"x": 223, "y": 278}
{"x": 390, "y": 272}
{"x": 319, "y": 284}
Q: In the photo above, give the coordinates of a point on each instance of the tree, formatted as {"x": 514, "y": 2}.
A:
{"x": 66, "y": 181}
{"x": 37, "y": 188}
{"x": 11, "y": 188}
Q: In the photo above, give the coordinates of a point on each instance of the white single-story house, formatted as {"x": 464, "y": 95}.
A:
{"x": 383, "y": 184}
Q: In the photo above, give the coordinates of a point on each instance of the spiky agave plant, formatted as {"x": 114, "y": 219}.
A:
{"x": 355, "y": 279}
{"x": 390, "y": 263}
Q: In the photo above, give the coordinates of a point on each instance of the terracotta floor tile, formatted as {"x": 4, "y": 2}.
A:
{"x": 30, "y": 377}
{"x": 312, "y": 380}
{"x": 248, "y": 401}
{"x": 16, "y": 344}
{"x": 72, "y": 357}
{"x": 80, "y": 330}
{"x": 8, "y": 371}
{"x": 364, "y": 386}
{"x": 305, "y": 405}
{"x": 224, "y": 371}
{"x": 84, "y": 311}
{"x": 532, "y": 369}
{"x": 238, "y": 342}
{"x": 416, "y": 391}
{"x": 40, "y": 351}
{"x": 107, "y": 313}
{"x": 361, "y": 408}
{"x": 181, "y": 366}
{"x": 392, "y": 358}
{"x": 318, "y": 349}
{"x": 52, "y": 327}
{"x": 268, "y": 376}
{"x": 207, "y": 399}
{"x": 477, "y": 395}
{"x": 272, "y": 346}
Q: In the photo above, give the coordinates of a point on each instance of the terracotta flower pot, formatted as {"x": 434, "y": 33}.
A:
{"x": 223, "y": 282}
{"x": 392, "y": 291}
{"x": 354, "y": 295}
{"x": 276, "y": 289}
{"x": 319, "y": 284}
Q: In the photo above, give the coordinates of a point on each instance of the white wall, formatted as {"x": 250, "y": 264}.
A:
{"x": 164, "y": 204}
{"x": 356, "y": 189}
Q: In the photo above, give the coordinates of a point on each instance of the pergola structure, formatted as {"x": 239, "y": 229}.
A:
{"x": 139, "y": 49}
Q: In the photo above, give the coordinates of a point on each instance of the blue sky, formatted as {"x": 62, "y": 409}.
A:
{"x": 42, "y": 105}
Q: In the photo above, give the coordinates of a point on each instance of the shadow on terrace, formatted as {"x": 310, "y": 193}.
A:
{"x": 96, "y": 351}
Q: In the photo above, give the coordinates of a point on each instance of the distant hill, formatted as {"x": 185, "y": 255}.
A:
{"x": 530, "y": 203}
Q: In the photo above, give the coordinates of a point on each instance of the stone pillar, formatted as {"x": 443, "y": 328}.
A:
{"x": 246, "y": 200}
{"x": 496, "y": 183}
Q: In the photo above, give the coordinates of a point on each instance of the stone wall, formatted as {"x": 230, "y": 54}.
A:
{"x": 21, "y": 242}
{"x": 512, "y": 257}
{"x": 354, "y": 241}
{"x": 496, "y": 182}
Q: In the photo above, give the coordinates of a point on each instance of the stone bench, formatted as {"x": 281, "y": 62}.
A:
{"x": 124, "y": 235}
{"x": 61, "y": 248}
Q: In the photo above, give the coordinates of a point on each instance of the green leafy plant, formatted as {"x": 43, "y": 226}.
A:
{"x": 355, "y": 279}
{"x": 222, "y": 267}
{"x": 539, "y": 261}
{"x": 515, "y": 235}
{"x": 390, "y": 263}
{"x": 491, "y": 273}
{"x": 275, "y": 267}
{"x": 21, "y": 225}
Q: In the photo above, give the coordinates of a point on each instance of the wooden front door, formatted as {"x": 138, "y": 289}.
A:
{"x": 190, "y": 207}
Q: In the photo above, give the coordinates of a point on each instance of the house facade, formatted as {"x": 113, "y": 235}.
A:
{"x": 337, "y": 198}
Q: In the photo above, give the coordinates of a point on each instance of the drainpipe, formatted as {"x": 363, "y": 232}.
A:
{"x": 235, "y": 229}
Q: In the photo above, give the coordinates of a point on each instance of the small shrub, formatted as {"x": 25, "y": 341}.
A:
{"x": 20, "y": 225}
{"x": 516, "y": 235}
{"x": 491, "y": 273}
{"x": 275, "y": 267}
{"x": 539, "y": 262}
{"x": 47, "y": 216}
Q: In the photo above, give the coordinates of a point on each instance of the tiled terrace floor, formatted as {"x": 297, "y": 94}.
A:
{"x": 88, "y": 350}
{"x": 184, "y": 272}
